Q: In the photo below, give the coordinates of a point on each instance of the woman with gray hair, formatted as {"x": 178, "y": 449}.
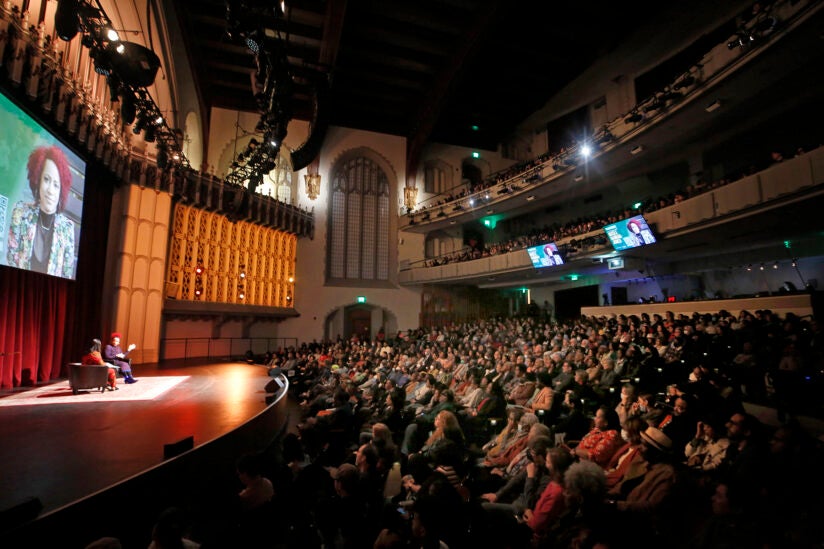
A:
{"x": 515, "y": 445}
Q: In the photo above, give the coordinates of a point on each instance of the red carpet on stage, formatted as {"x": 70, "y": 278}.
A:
{"x": 147, "y": 388}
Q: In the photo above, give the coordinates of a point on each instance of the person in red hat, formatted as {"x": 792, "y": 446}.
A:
{"x": 115, "y": 355}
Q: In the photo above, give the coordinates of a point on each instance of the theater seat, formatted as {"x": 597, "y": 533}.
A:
{"x": 87, "y": 377}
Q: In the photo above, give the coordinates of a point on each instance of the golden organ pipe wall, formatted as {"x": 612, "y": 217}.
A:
{"x": 213, "y": 259}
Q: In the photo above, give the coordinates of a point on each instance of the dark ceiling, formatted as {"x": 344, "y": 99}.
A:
{"x": 461, "y": 72}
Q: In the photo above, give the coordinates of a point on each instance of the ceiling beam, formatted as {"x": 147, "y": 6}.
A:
{"x": 430, "y": 108}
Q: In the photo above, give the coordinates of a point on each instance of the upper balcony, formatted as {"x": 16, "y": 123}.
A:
{"x": 747, "y": 220}
{"x": 723, "y": 93}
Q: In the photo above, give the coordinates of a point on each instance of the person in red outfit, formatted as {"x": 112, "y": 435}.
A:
{"x": 551, "y": 504}
{"x": 603, "y": 440}
{"x": 94, "y": 357}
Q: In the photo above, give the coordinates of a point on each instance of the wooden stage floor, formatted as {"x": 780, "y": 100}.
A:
{"x": 60, "y": 452}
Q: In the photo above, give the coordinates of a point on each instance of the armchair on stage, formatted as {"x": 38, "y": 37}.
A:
{"x": 87, "y": 377}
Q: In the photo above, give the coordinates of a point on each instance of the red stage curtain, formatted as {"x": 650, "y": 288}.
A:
{"x": 32, "y": 330}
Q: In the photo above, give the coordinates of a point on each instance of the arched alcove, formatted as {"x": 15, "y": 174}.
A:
{"x": 363, "y": 319}
{"x": 193, "y": 139}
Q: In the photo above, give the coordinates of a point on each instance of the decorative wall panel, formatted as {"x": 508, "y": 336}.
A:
{"x": 215, "y": 260}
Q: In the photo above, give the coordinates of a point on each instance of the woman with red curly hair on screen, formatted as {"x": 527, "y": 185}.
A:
{"x": 41, "y": 238}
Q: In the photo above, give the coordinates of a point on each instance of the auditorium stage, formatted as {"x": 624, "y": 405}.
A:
{"x": 60, "y": 447}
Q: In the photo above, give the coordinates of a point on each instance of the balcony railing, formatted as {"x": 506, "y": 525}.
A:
{"x": 793, "y": 177}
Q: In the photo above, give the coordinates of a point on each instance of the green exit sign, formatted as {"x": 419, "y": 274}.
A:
{"x": 361, "y": 299}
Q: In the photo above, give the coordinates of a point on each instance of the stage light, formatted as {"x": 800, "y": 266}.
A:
{"x": 140, "y": 124}
{"x": 775, "y": 265}
{"x": 585, "y": 151}
{"x": 471, "y": 202}
{"x": 111, "y": 35}
{"x": 120, "y": 48}
{"x": 162, "y": 158}
{"x": 128, "y": 111}
{"x": 291, "y": 280}
{"x": 749, "y": 267}
{"x": 114, "y": 88}
{"x": 149, "y": 136}
{"x": 158, "y": 120}
{"x": 761, "y": 267}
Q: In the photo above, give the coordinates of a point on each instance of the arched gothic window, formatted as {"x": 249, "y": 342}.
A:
{"x": 358, "y": 222}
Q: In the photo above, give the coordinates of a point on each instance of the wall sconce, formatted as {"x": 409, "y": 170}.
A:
{"x": 410, "y": 197}
{"x": 312, "y": 185}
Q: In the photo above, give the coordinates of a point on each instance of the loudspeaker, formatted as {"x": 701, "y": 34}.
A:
{"x": 321, "y": 116}
{"x": 67, "y": 19}
{"x": 20, "y": 514}
{"x": 136, "y": 65}
{"x": 177, "y": 448}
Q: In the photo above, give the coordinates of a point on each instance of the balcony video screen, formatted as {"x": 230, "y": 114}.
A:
{"x": 41, "y": 196}
{"x": 630, "y": 233}
{"x": 545, "y": 255}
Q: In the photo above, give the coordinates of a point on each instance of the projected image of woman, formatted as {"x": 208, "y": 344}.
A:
{"x": 41, "y": 237}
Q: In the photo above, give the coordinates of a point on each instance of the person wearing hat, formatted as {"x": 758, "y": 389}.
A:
{"x": 115, "y": 355}
{"x": 94, "y": 358}
{"x": 656, "y": 474}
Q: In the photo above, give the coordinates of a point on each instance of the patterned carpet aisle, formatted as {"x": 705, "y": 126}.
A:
{"x": 147, "y": 388}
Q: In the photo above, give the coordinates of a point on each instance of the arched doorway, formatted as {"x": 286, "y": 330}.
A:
{"x": 361, "y": 319}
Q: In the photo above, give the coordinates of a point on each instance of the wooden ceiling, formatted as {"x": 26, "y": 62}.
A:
{"x": 461, "y": 72}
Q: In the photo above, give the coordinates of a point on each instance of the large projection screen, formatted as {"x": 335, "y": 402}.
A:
{"x": 41, "y": 196}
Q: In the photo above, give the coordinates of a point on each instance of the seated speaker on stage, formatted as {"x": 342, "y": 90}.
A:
{"x": 93, "y": 358}
{"x": 115, "y": 355}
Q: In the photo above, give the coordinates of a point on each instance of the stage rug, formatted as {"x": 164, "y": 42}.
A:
{"x": 147, "y": 388}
